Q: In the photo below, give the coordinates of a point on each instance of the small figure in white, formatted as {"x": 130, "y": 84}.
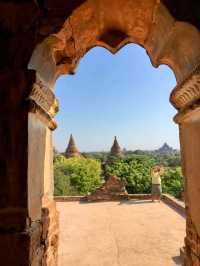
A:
{"x": 156, "y": 189}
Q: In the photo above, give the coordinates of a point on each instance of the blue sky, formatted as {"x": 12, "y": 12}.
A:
{"x": 122, "y": 95}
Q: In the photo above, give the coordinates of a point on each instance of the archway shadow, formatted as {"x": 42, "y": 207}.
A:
{"x": 120, "y": 202}
{"x": 179, "y": 211}
{"x": 147, "y": 201}
{"x": 135, "y": 202}
{"x": 177, "y": 260}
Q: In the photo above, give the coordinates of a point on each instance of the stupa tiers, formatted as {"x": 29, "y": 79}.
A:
{"x": 115, "y": 149}
{"x": 72, "y": 150}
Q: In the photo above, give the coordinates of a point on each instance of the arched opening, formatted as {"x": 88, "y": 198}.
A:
{"x": 148, "y": 24}
{"x": 97, "y": 103}
{"x": 55, "y": 35}
{"x": 120, "y": 101}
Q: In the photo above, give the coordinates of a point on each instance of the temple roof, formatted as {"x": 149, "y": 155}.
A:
{"x": 72, "y": 150}
{"x": 115, "y": 149}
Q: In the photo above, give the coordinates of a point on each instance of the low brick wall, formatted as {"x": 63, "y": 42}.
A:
{"x": 79, "y": 198}
{"x": 139, "y": 196}
{"x": 68, "y": 198}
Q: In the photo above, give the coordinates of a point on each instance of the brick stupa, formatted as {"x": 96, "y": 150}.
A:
{"x": 72, "y": 150}
{"x": 115, "y": 149}
{"x": 112, "y": 189}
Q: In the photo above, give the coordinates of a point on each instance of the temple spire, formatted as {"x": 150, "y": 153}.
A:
{"x": 115, "y": 149}
{"x": 72, "y": 150}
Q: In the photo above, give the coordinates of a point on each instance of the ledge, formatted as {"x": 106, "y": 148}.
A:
{"x": 68, "y": 198}
{"x": 78, "y": 198}
{"x": 174, "y": 203}
{"x": 139, "y": 196}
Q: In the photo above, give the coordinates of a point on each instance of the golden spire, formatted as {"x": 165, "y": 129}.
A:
{"x": 115, "y": 149}
{"x": 72, "y": 150}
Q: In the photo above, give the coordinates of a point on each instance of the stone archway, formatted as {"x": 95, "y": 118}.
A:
{"x": 64, "y": 39}
{"x": 148, "y": 24}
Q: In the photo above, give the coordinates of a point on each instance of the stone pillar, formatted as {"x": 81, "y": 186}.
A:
{"x": 25, "y": 218}
{"x": 49, "y": 212}
{"x": 186, "y": 99}
{"x": 42, "y": 106}
{"x": 190, "y": 149}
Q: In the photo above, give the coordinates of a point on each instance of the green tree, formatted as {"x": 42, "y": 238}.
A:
{"x": 134, "y": 170}
{"x": 76, "y": 176}
{"x": 172, "y": 181}
{"x": 168, "y": 160}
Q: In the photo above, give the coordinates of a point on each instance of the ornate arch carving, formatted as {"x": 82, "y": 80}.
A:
{"x": 147, "y": 23}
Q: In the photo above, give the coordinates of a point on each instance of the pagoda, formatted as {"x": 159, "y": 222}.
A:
{"x": 72, "y": 150}
{"x": 115, "y": 149}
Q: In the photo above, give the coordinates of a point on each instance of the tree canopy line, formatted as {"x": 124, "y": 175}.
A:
{"x": 82, "y": 175}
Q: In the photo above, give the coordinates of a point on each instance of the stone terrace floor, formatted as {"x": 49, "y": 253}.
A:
{"x": 129, "y": 233}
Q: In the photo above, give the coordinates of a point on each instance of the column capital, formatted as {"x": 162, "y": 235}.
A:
{"x": 187, "y": 93}
{"x": 43, "y": 103}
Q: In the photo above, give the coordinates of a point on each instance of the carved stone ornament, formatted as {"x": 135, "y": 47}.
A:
{"x": 187, "y": 93}
{"x": 43, "y": 102}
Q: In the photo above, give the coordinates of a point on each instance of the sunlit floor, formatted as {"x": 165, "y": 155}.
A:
{"x": 133, "y": 233}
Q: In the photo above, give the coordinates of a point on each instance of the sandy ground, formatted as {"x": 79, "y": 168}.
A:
{"x": 133, "y": 233}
